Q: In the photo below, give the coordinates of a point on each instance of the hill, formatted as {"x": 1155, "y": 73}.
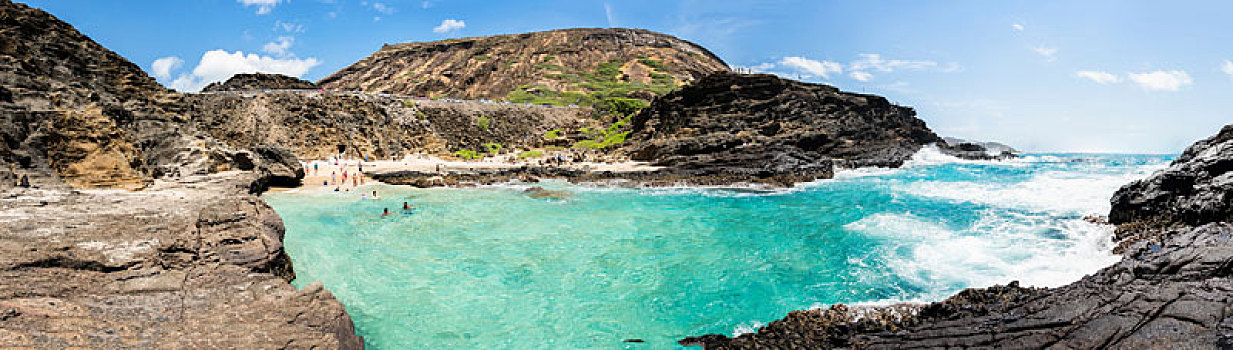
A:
{"x": 572, "y": 66}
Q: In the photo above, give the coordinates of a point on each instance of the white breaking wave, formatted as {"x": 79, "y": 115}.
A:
{"x": 1065, "y": 192}
{"x": 1037, "y": 250}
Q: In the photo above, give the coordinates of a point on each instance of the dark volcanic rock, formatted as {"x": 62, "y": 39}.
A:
{"x": 260, "y": 81}
{"x": 1173, "y": 290}
{"x": 1196, "y": 189}
{"x": 765, "y": 125}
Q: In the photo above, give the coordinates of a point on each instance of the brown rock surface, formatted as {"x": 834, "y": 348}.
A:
{"x": 194, "y": 260}
{"x": 259, "y": 81}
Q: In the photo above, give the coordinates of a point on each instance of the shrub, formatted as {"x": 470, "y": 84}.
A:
{"x": 468, "y": 154}
{"x": 482, "y": 57}
{"x": 493, "y": 148}
{"x": 530, "y": 154}
{"x": 408, "y": 103}
{"x": 622, "y": 106}
{"x": 552, "y": 134}
{"x": 482, "y": 121}
{"x": 654, "y": 64}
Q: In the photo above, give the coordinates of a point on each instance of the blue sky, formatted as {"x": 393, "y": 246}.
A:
{"x": 1075, "y": 76}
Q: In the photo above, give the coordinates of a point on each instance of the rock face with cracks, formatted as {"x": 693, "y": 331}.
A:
{"x": 123, "y": 224}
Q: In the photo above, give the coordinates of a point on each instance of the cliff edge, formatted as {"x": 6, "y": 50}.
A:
{"x": 125, "y": 225}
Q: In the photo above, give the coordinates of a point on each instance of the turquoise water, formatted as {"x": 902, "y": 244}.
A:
{"x": 494, "y": 268}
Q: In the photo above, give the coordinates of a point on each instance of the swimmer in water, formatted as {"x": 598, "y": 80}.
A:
{"x": 374, "y": 195}
{"x": 386, "y": 212}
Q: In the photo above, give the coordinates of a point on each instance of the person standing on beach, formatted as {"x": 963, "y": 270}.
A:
{"x": 333, "y": 177}
{"x": 315, "y": 166}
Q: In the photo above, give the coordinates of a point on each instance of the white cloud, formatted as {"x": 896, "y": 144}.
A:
{"x": 383, "y": 8}
{"x": 449, "y": 25}
{"x": 811, "y": 67}
{"x": 263, "y": 6}
{"x": 218, "y": 65}
{"x": 1227, "y": 67}
{"x": 288, "y": 27}
{"x": 280, "y": 47}
{"x": 1049, "y": 53}
{"x": 1018, "y": 27}
{"x": 1160, "y": 80}
{"x": 425, "y": 5}
{"x": 875, "y": 61}
{"x": 1099, "y": 77}
{"x": 162, "y": 67}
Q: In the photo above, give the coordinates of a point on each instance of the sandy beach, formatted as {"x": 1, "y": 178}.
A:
{"x": 327, "y": 173}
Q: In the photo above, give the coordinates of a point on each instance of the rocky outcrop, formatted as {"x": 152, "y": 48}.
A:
{"x": 192, "y": 260}
{"x": 993, "y": 148}
{"x": 259, "y": 81}
{"x": 765, "y": 126}
{"x": 1173, "y": 290}
{"x": 1195, "y": 189}
{"x": 197, "y": 263}
{"x": 566, "y": 60}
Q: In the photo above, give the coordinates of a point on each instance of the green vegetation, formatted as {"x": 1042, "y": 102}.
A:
{"x": 468, "y": 154}
{"x": 622, "y": 106}
{"x": 482, "y": 121}
{"x": 601, "y": 139}
{"x": 602, "y": 88}
{"x": 549, "y": 58}
{"x": 420, "y": 114}
{"x": 482, "y": 57}
{"x": 654, "y": 64}
{"x": 552, "y": 134}
{"x": 408, "y": 103}
{"x": 493, "y": 148}
{"x": 530, "y": 154}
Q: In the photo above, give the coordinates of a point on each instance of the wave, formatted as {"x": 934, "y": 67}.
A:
{"x": 1057, "y": 191}
{"x": 1035, "y": 249}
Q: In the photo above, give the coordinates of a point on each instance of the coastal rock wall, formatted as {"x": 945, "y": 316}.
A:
{"x": 320, "y": 125}
{"x": 192, "y": 259}
{"x": 1197, "y": 188}
{"x": 1172, "y": 290}
{"x": 763, "y": 124}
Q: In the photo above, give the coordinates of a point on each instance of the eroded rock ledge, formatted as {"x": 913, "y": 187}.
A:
{"x": 1173, "y": 289}
{"x": 196, "y": 263}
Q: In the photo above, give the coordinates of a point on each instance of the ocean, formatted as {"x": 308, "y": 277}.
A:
{"x": 492, "y": 267}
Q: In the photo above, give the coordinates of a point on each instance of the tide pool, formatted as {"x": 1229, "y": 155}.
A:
{"x": 492, "y": 267}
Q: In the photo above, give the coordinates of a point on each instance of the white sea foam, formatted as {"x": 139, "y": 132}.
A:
{"x": 1067, "y": 192}
{"x": 1037, "y": 250}
{"x": 746, "y": 328}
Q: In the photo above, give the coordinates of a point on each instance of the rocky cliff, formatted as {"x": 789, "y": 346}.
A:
{"x": 320, "y": 125}
{"x": 259, "y": 81}
{"x": 571, "y": 66}
{"x": 1173, "y": 289}
{"x": 765, "y": 126}
{"x": 192, "y": 260}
